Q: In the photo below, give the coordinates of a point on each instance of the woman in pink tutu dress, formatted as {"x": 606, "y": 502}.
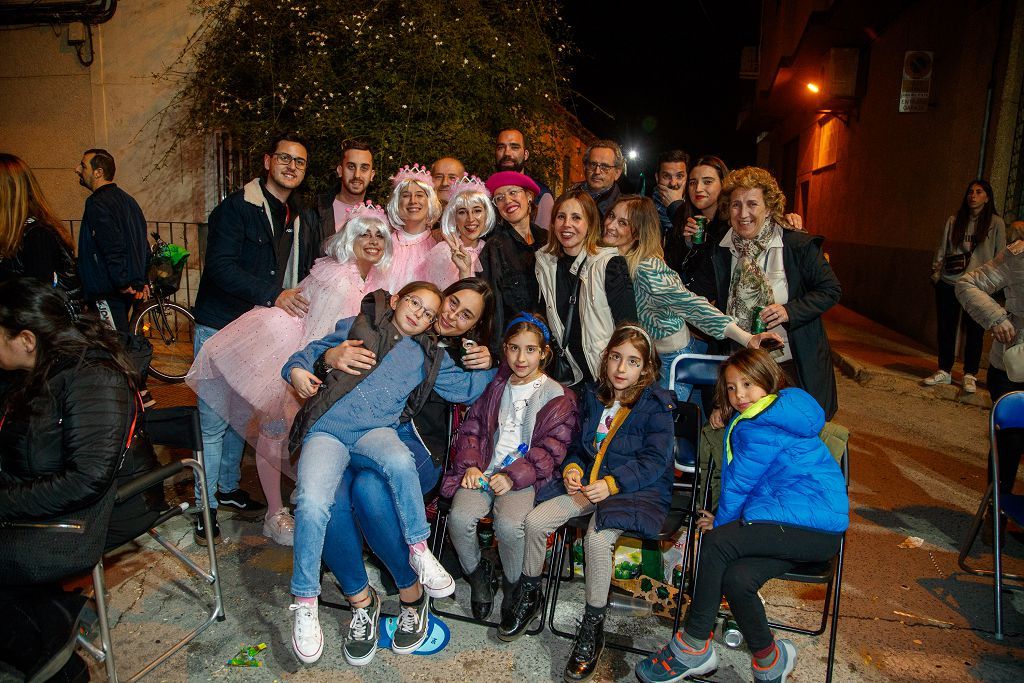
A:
{"x": 413, "y": 210}
{"x": 238, "y": 371}
{"x": 467, "y": 218}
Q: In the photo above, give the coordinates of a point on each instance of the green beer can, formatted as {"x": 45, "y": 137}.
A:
{"x": 757, "y": 325}
{"x": 702, "y": 224}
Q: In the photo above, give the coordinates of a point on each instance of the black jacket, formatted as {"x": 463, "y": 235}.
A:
{"x": 507, "y": 262}
{"x": 113, "y": 250}
{"x": 243, "y": 268}
{"x": 62, "y": 456}
{"x": 813, "y": 289}
{"x": 38, "y": 257}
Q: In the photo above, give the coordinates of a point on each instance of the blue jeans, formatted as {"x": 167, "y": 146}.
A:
{"x": 222, "y": 445}
{"x": 363, "y": 501}
{"x": 322, "y": 464}
{"x": 683, "y": 391}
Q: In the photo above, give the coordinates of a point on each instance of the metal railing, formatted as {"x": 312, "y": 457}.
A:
{"x": 191, "y": 236}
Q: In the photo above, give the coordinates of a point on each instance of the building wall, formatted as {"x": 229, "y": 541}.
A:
{"x": 896, "y": 177}
{"x": 54, "y": 108}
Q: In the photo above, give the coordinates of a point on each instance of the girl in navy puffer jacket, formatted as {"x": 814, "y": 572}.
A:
{"x": 783, "y": 503}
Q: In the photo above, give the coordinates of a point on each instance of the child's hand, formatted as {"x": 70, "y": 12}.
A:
{"x": 500, "y": 484}
{"x": 305, "y": 383}
{"x": 597, "y": 491}
{"x": 715, "y": 419}
{"x": 471, "y": 480}
{"x": 572, "y": 482}
{"x": 706, "y": 521}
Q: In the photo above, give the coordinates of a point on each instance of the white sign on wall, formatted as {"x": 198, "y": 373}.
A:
{"x": 916, "y": 87}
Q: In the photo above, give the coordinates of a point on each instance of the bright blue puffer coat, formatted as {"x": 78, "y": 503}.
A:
{"x": 777, "y": 470}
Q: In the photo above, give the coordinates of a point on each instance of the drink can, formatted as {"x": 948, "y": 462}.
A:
{"x": 702, "y": 224}
{"x": 677, "y": 576}
{"x": 731, "y": 634}
{"x": 485, "y": 536}
{"x": 757, "y": 325}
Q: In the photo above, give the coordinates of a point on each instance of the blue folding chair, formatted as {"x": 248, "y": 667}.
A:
{"x": 1007, "y": 413}
{"x": 700, "y": 371}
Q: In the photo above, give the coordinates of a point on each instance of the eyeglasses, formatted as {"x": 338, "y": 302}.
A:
{"x": 419, "y": 308}
{"x": 634, "y": 363}
{"x": 286, "y": 159}
{"x": 465, "y": 314}
{"x": 596, "y": 166}
{"x": 514, "y": 195}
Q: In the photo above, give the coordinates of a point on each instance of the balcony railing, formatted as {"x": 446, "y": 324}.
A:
{"x": 191, "y": 236}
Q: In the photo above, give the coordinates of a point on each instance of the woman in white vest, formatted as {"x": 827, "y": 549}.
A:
{"x": 605, "y": 292}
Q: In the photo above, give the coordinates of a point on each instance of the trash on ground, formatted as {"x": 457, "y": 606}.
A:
{"x": 912, "y": 542}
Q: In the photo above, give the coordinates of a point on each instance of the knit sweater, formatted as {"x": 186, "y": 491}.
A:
{"x": 378, "y": 400}
{"x": 994, "y": 242}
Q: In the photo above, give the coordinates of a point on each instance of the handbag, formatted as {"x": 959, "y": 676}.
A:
{"x": 954, "y": 264}
{"x": 560, "y": 369}
{"x": 65, "y": 277}
{"x": 52, "y": 549}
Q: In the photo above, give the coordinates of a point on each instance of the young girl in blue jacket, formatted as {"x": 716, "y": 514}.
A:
{"x": 619, "y": 470}
{"x": 783, "y": 503}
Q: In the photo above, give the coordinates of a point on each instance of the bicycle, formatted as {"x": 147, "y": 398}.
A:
{"x": 168, "y": 326}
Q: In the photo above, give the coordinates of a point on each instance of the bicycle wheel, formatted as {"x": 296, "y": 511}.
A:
{"x": 170, "y": 328}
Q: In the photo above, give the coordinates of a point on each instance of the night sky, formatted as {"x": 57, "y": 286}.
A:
{"x": 665, "y": 72}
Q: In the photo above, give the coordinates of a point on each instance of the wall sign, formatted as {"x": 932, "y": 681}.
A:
{"x": 917, "y": 81}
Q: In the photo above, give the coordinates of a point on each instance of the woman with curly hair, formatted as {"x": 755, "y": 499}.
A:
{"x": 771, "y": 279}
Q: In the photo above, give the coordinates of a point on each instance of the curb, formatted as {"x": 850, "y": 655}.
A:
{"x": 903, "y": 384}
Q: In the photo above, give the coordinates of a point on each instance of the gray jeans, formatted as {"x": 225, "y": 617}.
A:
{"x": 510, "y": 511}
{"x": 598, "y": 546}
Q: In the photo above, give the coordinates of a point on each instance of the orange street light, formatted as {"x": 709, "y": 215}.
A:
{"x": 814, "y": 87}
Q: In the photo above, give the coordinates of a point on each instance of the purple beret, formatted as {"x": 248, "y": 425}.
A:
{"x": 503, "y": 178}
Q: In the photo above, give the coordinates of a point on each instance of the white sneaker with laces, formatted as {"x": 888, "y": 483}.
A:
{"x": 437, "y": 582}
{"x": 970, "y": 384}
{"x": 280, "y": 527}
{"x": 940, "y": 377}
{"x": 307, "y": 636}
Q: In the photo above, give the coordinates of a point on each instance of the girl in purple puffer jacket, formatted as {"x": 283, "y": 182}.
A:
{"x": 513, "y": 440}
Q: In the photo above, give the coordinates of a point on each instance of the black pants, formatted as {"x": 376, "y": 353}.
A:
{"x": 1010, "y": 441}
{"x": 949, "y": 313}
{"x": 736, "y": 560}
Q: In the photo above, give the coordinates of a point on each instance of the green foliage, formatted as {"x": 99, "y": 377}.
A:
{"x": 416, "y": 80}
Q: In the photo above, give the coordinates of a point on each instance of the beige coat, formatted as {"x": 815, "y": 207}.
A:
{"x": 975, "y": 287}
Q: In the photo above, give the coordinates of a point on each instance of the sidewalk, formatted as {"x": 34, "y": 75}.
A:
{"x": 875, "y": 356}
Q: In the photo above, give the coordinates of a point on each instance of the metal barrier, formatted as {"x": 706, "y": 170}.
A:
{"x": 191, "y": 236}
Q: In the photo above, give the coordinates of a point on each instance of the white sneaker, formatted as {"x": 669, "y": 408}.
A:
{"x": 280, "y": 528}
{"x": 307, "y": 636}
{"x": 940, "y": 377}
{"x": 436, "y": 581}
{"x": 970, "y": 384}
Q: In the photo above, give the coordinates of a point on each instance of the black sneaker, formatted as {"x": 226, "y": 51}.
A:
{"x": 200, "y": 532}
{"x": 361, "y": 645}
{"x": 240, "y": 501}
{"x": 413, "y": 627}
{"x": 147, "y": 399}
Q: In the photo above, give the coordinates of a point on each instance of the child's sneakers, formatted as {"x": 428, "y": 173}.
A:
{"x": 280, "y": 527}
{"x": 361, "y": 645}
{"x": 436, "y": 581}
{"x": 676, "y": 661}
{"x": 307, "y": 636}
{"x": 413, "y": 627}
{"x": 785, "y": 660}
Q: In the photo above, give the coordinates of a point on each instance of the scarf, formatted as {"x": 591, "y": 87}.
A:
{"x": 749, "y": 289}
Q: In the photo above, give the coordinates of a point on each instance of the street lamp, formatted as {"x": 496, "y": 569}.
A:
{"x": 633, "y": 154}
{"x": 814, "y": 87}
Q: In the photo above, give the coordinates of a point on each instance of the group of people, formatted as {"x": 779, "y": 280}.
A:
{"x": 336, "y": 339}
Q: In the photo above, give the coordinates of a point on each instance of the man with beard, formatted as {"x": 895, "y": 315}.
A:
{"x": 670, "y": 193}
{"x": 112, "y": 245}
{"x": 444, "y": 172}
{"x": 261, "y": 243}
{"x": 510, "y": 154}
{"x": 355, "y": 173}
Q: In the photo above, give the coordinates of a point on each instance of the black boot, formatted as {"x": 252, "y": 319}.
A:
{"x": 509, "y": 591}
{"x": 523, "y": 612}
{"x": 481, "y": 587}
{"x": 587, "y": 648}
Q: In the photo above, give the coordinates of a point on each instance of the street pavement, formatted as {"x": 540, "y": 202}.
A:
{"x": 907, "y": 613}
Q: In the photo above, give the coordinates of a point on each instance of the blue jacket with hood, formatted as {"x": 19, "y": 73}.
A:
{"x": 777, "y": 470}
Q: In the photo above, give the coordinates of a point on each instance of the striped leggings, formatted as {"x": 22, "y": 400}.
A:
{"x": 547, "y": 518}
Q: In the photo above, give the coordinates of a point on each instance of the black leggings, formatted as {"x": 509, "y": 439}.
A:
{"x": 736, "y": 560}
{"x": 948, "y": 313}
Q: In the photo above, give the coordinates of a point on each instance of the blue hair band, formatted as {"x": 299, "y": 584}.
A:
{"x": 524, "y": 317}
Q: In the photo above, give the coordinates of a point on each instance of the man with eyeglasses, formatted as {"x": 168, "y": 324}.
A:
{"x": 355, "y": 173}
{"x": 507, "y": 259}
{"x": 510, "y": 154}
{"x": 261, "y": 243}
{"x": 603, "y": 163}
